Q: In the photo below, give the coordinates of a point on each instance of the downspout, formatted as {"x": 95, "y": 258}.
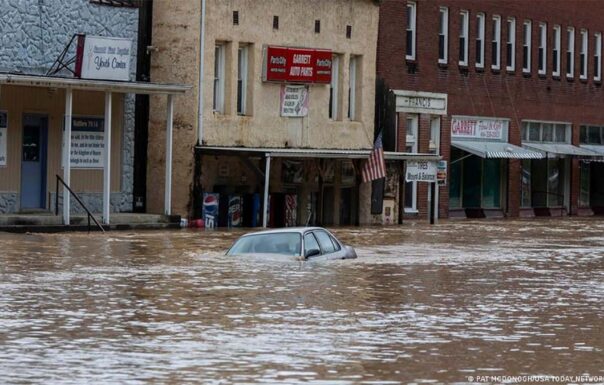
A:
{"x": 200, "y": 87}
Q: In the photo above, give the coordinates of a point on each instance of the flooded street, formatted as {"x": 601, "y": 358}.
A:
{"x": 420, "y": 304}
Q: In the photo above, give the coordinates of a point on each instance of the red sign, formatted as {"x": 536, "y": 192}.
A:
{"x": 297, "y": 65}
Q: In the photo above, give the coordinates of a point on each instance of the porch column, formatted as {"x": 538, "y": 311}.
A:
{"x": 107, "y": 160}
{"x": 67, "y": 153}
{"x": 267, "y": 174}
{"x": 168, "y": 187}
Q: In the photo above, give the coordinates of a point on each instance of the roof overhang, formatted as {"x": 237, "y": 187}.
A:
{"x": 560, "y": 149}
{"x": 495, "y": 150}
{"x": 92, "y": 85}
{"x": 311, "y": 153}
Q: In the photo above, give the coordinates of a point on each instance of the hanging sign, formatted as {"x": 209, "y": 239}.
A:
{"x": 294, "y": 101}
{"x": 296, "y": 65}
{"x": 441, "y": 172}
{"x": 103, "y": 58}
{"x": 478, "y": 128}
{"x": 420, "y": 171}
{"x": 87, "y": 142}
{"x": 3, "y": 133}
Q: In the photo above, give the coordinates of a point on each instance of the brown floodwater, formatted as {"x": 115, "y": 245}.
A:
{"x": 421, "y": 304}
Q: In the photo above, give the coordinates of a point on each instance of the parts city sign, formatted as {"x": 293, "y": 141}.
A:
{"x": 296, "y": 65}
{"x": 103, "y": 58}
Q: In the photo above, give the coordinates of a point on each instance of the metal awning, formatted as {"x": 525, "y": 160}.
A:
{"x": 92, "y": 85}
{"x": 558, "y": 149}
{"x": 495, "y": 150}
{"x": 597, "y": 148}
{"x": 312, "y": 153}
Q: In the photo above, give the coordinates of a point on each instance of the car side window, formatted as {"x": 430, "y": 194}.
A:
{"x": 310, "y": 242}
{"x": 325, "y": 242}
{"x": 336, "y": 244}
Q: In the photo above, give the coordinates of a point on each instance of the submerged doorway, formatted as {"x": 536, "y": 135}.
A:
{"x": 33, "y": 162}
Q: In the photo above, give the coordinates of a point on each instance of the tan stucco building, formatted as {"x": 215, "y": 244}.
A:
{"x": 243, "y": 113}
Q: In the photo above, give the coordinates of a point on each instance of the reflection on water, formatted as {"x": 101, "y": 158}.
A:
{"x": 420, "y": 304}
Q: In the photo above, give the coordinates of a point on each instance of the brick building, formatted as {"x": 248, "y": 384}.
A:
{"x": 509, "y": 93}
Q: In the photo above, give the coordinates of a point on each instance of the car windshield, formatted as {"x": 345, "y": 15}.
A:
{"x": 273, "y": 243}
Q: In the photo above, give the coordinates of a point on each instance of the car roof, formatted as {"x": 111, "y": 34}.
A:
{"x": 299, "y": 230}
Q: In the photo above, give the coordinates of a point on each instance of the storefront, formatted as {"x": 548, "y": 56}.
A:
{"x": 591, "y": 196}
{"x": 479, "y": 166}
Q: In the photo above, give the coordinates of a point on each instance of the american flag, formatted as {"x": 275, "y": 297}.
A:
{"x": 375, "y": 167}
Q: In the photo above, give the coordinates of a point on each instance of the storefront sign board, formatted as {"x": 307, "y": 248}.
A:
{"x": 3, "y": 139}
{"x": 441, "y": 172}
{"x": 478, "y": 128}
{"x": 296, "y": 65}
{"x": 417, "y": 102}
{"x": 87, "y": 142}
{"x": 103, "y": 58}
{"x": 421, "y": 171}
{"x": 294, "y": 101}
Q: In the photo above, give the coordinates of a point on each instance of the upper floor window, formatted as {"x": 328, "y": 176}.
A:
{"x": 545, "y": 132}
{"x": 443, "y": 35}
{"x": 570, "y": 52}
{"x": 591, "y": 135}
{"x": 526, "y": 46}
{"x": 583, "y": 55}
{"x": 511, "y": 45}
{"x": 242, "y": 71}
{"x": 411, "y": 15}
{"x": 496, "y": 43}
{"x": 556, "y": 51}
{"x": 334, "y": 88}
{"x": 480, "y": 27}
{"x": 464, "y": 26}
{"x": 542, "y": 57}
{"x": 352, "y": 87}
{"x": 219, "y": 73}
{"x": 597, "y": 56}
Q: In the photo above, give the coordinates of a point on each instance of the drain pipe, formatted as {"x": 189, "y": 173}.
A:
{"x": 200, "y": 87}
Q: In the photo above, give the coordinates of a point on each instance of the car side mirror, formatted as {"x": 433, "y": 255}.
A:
{"x": 311, "y": 253}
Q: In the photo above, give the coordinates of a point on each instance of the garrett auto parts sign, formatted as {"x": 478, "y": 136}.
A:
{"x": 296, "y": 65}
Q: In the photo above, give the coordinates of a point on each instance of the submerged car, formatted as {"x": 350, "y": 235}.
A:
{"x": 302, "y": 242}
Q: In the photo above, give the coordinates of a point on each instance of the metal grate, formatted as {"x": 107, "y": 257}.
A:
{"x": 275, "y": 22}
{"x": 235, "y": 17}
{"x": 317, "y": 26}
{"x": 348, "y": 31}
{"x": 119, "y": 3}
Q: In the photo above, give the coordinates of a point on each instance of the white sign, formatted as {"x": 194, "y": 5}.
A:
{"x": 478, "y": 128}
{"x": 3, "y": 133}
{"x": 294, "y": 101}
{"x": 87, "y": 142}
{"x": 421, "y": 171}
{"x": 417, "y": 102}
{"x": 106, "y": 58}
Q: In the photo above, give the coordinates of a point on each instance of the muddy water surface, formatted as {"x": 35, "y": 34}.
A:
{"x": 420, "y": 304}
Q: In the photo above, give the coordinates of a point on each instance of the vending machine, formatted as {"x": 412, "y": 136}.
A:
{"x": 235, "y": 211}
{"x": 210, "y": 210}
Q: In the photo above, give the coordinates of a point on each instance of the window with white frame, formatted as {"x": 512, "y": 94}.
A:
{"x": 542, "y": 57}
{"x": 334, "y": 88}
{"x": 583, "y": 55}
{"x": 352, "y": 85}
{"x": 411, "y": 146}
{"x": 219, "y": 73}
{"x": 480, "y": 31}
{"x": 526, "y": 46}
{"x": 597, "y": 56}
{"x": 434, "y": 145}
{"x": 464, "y": 27}
{"x": 549, "y": 132}
{"x": 496, "y": 43}
{"x": 591, "y": 135}
{"x": 511, "y": 45}
{"x": 443, "y": 35}
{"x": 242, "y": 68}
{"x": 411, "y": 18}
{"x": 570, "y": 52}
{"x": 556, "y": 51}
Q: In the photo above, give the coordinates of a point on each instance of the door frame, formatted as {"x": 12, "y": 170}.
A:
{"x": 43, "y": 118}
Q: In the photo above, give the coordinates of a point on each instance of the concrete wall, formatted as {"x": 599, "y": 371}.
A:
{"x": 176, "y": 37}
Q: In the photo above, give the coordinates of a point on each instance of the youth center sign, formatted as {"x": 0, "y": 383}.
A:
{"x": 103, "y": 58}
{"x": 478, "y": 128}
{"x": 296, "y": 65}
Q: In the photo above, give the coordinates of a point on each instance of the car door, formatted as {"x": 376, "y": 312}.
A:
{"x": 311, "y": 243}
{"x": 328, "y": 247}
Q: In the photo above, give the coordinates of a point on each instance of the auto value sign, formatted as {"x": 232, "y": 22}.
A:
{"x": 421, "y": 171}
{"x": 103, "y": 58}
{"x": 478, "y": 128}
{"x": 296, "y": 65}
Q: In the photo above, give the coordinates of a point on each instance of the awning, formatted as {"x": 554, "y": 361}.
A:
{"x": 495, "y": 150}
{"x": 312, "y": 153}
{"x": 560, "y": 149}
{"x": 596, "y": 148}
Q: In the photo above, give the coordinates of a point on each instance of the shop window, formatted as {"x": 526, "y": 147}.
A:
{"x": 583, "y": 55}
{"x": 598, "y": 56}
{"x": 334, "y": 88}
{"x": 480, "y": 31}
{"x": 496, "y": 43}
{"x": 511, "y": 45}
{"x": 411, "y": 27}
{"x": 544, "y": 182}
{"x": 443, "y": 36}
{"x": 526, "y": 46}
{"x": 556, "y": 51}
{"x": 464, "y": 26}
{"x": 570, "y": 52}
{"x": 219, "y": 74}
{"x": 542, "y": 57}
{"x": 412, "y": 146}
{"x": 491, "y": 183}
{"x": 525, "y": 183}
{"x": 242, "y": 79}
{"x": 584, "y": 185}
{"x": 455, "y": 179}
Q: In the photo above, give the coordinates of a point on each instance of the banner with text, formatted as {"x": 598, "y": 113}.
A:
{"x": 87, "y": 142}
{"x": 421, "y": 171}
{"x": 3, "y": 139}
{"x": 478, "y": 128}
{"x": 104, "y": 58}
{"x": 294, "y": 101}
{"x": 296, "y": 65}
